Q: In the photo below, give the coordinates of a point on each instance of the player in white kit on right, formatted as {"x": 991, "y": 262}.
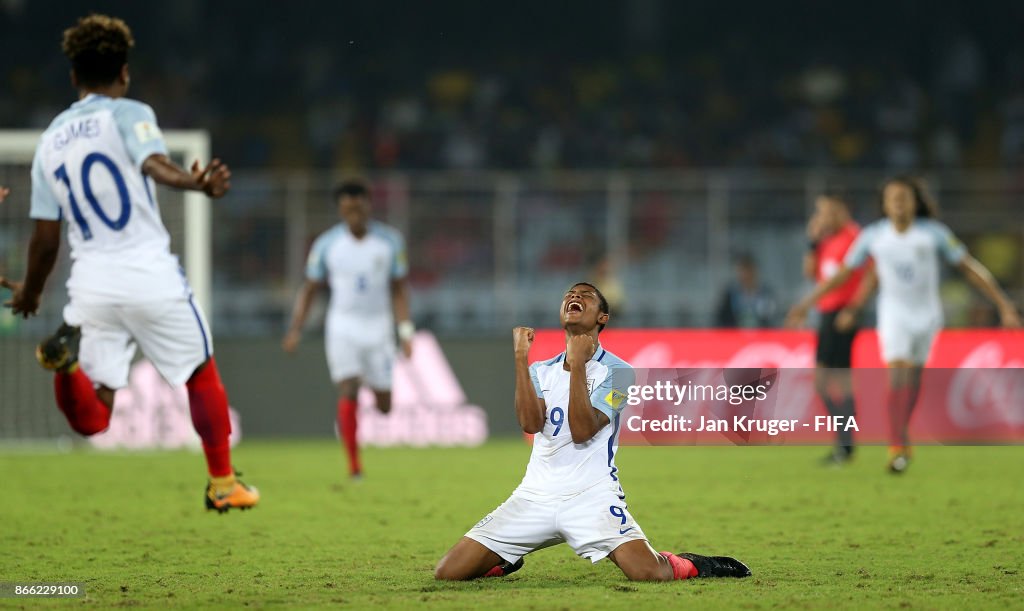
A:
{"x": 907, "y": 247}
{"x": 571, "y": 492}
{"x": 364, "y": 264}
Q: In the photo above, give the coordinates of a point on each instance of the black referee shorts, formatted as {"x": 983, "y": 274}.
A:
{"x": 834, "y": 347}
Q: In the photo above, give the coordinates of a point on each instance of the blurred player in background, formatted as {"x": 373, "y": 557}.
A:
{"x": 95, "y": 166}
{"x": 4, "y": 192}
{"x": 571, "y": 492}
{"x": 906, "y": 247}
{"x": 831, "y": 232}
{"x": 746, "y": 302}
{"x": 364, "y": 264}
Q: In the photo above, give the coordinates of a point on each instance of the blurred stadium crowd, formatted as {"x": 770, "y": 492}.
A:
{"x": 548, "y": 85}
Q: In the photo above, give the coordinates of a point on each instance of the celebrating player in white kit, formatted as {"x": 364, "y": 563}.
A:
{"x": 365, "y": 265}
{"x": 907, "y": 246}
{"x": 571, "y": 492}
{"x": 95, "y": 166}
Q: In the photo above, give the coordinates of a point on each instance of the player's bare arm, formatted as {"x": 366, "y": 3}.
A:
{"x": 846, "y": 319}
{"x": 4, "y": 192}
{"x": 530, "y": 409}
{"x": 814, "y": 235}
{"x": 584, "y": 420}
{"x": 810, "y": 264}
{"x": 303, "y": 301}
{"x": 42, "y": 254}
{"x": 400, "y": 308}
{"x": 798, "y": 312}
{"x": 214, "y": 180}
{"x": 978, "y": 275}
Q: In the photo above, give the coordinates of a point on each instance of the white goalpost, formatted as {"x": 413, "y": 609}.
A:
{"x": 18, "y": 146}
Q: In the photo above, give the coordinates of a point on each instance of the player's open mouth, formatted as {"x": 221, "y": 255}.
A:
{"x": 574, "y": 306}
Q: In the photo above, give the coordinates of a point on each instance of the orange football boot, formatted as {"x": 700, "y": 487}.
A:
{"x": 241, "y": 497}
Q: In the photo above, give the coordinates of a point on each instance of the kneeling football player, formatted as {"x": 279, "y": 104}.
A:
{"x": 571, "y": 493}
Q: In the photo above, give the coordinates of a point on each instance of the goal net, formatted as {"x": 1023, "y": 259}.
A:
{"x": 27, "y": 409}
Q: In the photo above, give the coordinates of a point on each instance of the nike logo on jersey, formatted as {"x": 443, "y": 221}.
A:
{"x": 626, "y": 530}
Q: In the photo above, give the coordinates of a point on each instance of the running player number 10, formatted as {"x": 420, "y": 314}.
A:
{"x": 122, "y": 189}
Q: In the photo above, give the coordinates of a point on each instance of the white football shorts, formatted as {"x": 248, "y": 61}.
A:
{"x": 902, "y": 338}
{"x": 593, "y": 523}
{"x": 361, "y": 349}
{"x": 172, "y": 334}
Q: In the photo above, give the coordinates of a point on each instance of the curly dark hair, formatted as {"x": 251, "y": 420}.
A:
{"x": 98, "y": 48}
{"x": 352, "y": 187}
{"x": 924, "y": 204}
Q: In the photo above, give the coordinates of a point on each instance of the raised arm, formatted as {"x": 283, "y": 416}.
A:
{"x": 530, "y": 408}
{"x": 584, "y": 420}
{"x": 978, "y": 275}
{"x": 213, "y": 180}
{"x": 42, "y": 254}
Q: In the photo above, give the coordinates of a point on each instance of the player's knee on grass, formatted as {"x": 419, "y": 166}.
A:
{"x": 639, "y": 562}
{"x": 468, "y": 559}
{"x": 648, "y": 571}
{"x": 452, "y": 568}
{"x": 445, "y": 571}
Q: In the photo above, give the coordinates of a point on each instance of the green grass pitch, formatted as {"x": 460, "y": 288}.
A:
{"x": 131, "y": 527}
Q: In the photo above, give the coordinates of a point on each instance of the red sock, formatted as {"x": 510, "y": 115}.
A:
{"x": 208, "y": 404}
{"x": 913, "y": 392}
{"x": 899, "y": 415}
{"x": 347, "y": 427}
{"x": 496, "y": 571}
{"x": 77, "y": 398}
{"x": 681, "y": 567}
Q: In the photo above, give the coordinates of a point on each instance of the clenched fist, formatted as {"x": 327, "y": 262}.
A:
{"x": 579, "y": 349}
{"x": 522, "y": 339}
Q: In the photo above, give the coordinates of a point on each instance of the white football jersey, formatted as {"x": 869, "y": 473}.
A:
{"x": 908, "y": 268}
{"x": 358, "y": 271}
{"x": 559, "y": 468}
{"x": 88, "y": 170}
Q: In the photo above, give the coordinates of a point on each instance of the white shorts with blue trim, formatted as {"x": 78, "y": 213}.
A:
{"x": 172, "y": 334}
{"x": 593, "y": 523}
{"x": 361, "y": 347}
